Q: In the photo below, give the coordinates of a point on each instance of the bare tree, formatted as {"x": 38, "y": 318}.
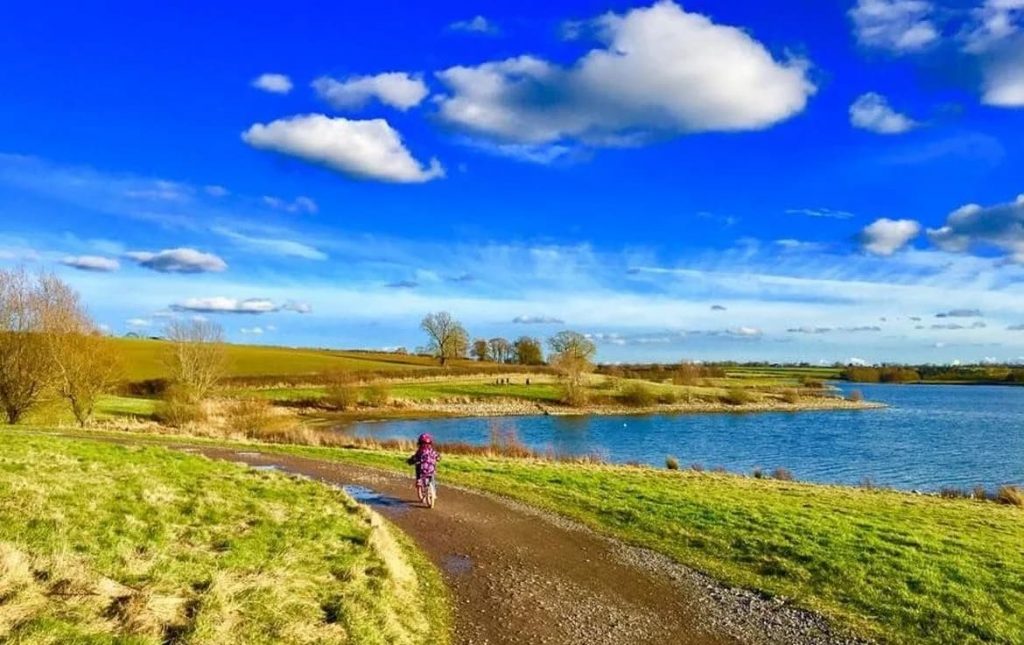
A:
{"x": 481, "y": 350}
{"x": 198, "y": 358}
{"x": 25, "y": 366}
{"x": 83, "y": 362}
{"x": 501, "y": 350}
{"x": 572, "y": 356}
{"x": 447, "y": 339}
{"x": 528, "y": 351}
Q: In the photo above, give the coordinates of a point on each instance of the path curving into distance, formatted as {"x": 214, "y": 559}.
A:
{"x": 522, "y": 576}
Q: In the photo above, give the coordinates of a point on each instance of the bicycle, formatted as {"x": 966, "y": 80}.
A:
{"x": 427, "y": 491}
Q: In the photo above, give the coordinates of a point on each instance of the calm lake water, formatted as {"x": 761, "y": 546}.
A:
{"x": 930, "y": 436}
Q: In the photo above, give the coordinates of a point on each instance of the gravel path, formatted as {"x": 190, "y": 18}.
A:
{"x": 519, "y": 575}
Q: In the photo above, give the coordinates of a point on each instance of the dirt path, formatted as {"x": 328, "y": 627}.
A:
{"x": 520, "y": 576}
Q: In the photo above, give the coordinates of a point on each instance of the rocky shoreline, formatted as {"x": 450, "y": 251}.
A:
{"x": 519, "y": 407}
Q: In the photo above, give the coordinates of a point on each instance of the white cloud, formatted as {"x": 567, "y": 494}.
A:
{"x": 397, "y": 89}
{"x": 886, "y": 236}
{"x": 971, "y": 226}
{"x": 138, "y": 322}
{"x": 300, "y": 204}
{"x": 91, "y": 263}
{"x": 180, "y": 260}
{"x": 477, "y": 24}
{"x": 252, "y": 331}
{"x": 273, "y": 83}
{"x": 1003, "y": 74}
{"x": 872, "y": 112}
{"x": 537, "y": 320}
{"x": 827, "y": 213}
{"x": 899, "y": 26}
{"x": 993, "y": 22}
{"x": 365, "y": 149}
{"x": 221, "y": 305}
{"x": 272, "y": 245}
{"x": 662, "y": 71}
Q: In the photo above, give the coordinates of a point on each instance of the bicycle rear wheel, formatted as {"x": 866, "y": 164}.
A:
{"x": 431, "y": 493}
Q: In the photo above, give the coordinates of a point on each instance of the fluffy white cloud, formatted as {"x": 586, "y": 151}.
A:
{"x": 899, "y": 26}
{"x": 252, "y": 331}
{"x": 970, "y": 226}
{"x": 181, "y": 260}
{"x": 477, "y": 24}
{"x": 397, "y": 89}
{"x": 886, "y": 236}
{"x": 366, "y": 149}
{"x": 661, "y": 71}
{"x": 273, "y": 83}
{"x": 872, "y": 112}
{"x": 91, "y": 263}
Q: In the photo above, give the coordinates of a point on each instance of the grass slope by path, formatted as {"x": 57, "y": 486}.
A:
{"x": 894, "y": 566}
{"x": 102, "y": 543}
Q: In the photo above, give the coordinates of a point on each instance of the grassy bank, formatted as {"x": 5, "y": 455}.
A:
{"x": 893, "y": 566}
{"x": 102, "y": 543}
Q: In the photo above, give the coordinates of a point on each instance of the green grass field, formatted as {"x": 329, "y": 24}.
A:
{"x": 899, "y": 567}
{"x": 145, "y": 359}
{"x": 107, "y": 544}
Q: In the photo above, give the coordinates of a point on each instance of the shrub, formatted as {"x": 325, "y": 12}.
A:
{"x": 737, "y": 396}
{"x": 377, "y": 396}
{"x": 856, "y": 396}
{"x": 791, "y": 396}
{"x": 667, "y": 397}
{"x": 249, "y": 417}
{"x": 341, "y": 393}
{"x": 697, "y": 467}
{"x": 1010, "y": 495}
{"x": 637, "y": 395}
{"x": 783, "y": 475}
{"x": 758, "y": 473}
{"x": 179, "y": 408}
{"x": 812, "y": 383}
{"x": 980, "y": 492}
{"x": 671, "y": 463}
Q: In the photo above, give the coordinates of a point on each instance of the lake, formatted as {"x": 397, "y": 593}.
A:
{"x": 930, "y": 436}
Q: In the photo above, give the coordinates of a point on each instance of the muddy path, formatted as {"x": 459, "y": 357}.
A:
{"x": 521, "y": 576}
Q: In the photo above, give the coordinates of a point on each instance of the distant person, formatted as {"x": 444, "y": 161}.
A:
{"x": 425, "y": 460}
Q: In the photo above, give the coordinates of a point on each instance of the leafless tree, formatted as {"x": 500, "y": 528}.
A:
{"x": 84, "y": 363}
{"x": 501, "y": 350}
{"x": 197, "y": 359}
{"x": 25, "y": 366}
{"x": 572, "y": 355}
{"x": 481, "y": 350}
{"x": 447, "y": 339}
{"x": 528, "y": 351}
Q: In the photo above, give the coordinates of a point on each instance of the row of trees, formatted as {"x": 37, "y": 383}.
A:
{"x": 572, "y": 353}
{"x": 448, "y": 340}
{"x": 49, "y": 348}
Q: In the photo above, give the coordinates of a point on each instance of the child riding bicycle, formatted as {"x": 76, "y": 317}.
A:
{"x": 425, "y": 460}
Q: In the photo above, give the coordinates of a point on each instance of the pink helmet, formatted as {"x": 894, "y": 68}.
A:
{"x": 425, "y": 439}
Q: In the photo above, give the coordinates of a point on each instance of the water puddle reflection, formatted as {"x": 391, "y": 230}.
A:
{"x": 370, "y": 497}
{"x": 458, "y": 564}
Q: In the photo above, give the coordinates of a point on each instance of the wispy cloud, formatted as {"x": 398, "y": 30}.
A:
{"x": 180, "y": 260}
{"x": 91, "y": 263}
{"x": 275, "y": 246}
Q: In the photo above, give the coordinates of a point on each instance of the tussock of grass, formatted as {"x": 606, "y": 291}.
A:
{"x": 101, "y": 543}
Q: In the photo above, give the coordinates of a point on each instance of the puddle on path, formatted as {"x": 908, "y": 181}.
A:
{"x": 267, "y": 467}
{"x": 370, "y": 497}
{"x": 458, "y": 564}
{"x": 248, "y": 454}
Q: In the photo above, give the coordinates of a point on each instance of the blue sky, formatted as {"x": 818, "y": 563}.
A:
{"x": 811, "y": 181}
